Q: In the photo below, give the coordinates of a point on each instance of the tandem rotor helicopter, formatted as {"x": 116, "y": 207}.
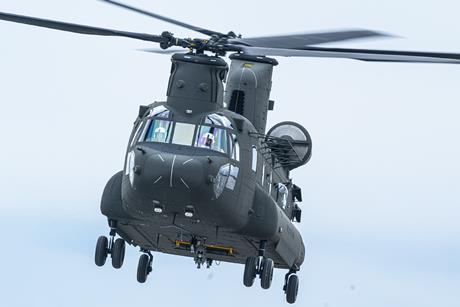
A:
{"x": 203, "y": 177}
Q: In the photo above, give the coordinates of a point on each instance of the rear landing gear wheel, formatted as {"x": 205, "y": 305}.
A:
{"x": 266, "y": 274}
{"x": 118, "y": 253}
{"x": 250, "y": 271}
{"x": 102, "y": 250}
{"x": 292, "y": 288}
{"x": 144, "y": 267}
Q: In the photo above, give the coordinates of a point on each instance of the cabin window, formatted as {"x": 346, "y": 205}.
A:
{"x": 213, "y": 138}
{"x": 254, "y": 158}
{"x": 159, "y": 111}
{"x": 183, "y": 134}
{"x": 157, "y": 130}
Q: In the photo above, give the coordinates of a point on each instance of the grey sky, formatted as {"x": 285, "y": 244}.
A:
{"x": 381, "y": 193}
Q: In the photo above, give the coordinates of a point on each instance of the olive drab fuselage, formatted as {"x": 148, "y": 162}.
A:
{"x": 195, "y": 167}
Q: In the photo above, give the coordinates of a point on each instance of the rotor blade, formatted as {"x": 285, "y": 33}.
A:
{"x": 359, "y": 54}
{"x": 76, "y": 28}
{"x": 163, "y": 51}
{"x": 306, "y": 39}
{"x": 176, "y": 22}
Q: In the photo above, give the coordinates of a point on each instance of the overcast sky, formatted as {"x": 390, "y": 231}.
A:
{"x": 381, "y": 203}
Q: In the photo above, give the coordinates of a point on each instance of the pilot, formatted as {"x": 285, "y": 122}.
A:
{"x": 206, "y": 140}
{"x": 159, "y": 134}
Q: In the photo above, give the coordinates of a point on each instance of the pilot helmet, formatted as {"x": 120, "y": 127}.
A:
{"x": 206, "y": 140}
{"x": 209, "y": 139}
{"x": 159, "y": 133}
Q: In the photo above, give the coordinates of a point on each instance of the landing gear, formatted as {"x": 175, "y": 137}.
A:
{"x": 115, "y": 248}
{"x": 291, "y": 286}
{"x": 261, "y": 266}
{"x": 250, "y": 271}
{"x": 102, "y": 250}
{"x": 144, "y": 266}
{"x": 266, "y": 273}
{"x": 118, "y": 253}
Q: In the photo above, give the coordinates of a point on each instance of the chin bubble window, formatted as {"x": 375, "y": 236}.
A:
{"x": 213, "y": 138}
{"x": 157, "y": 130}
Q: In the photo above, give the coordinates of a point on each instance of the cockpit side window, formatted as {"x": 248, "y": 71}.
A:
{"x": 136, "y": 134}
{"x": 213, "y": 138}
{"x": 217, "y": 119}
{"x": 159, "y": 111}
{"x": 157, "y": 130}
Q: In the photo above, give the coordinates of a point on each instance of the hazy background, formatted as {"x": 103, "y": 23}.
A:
{"x": 381, "y": 203}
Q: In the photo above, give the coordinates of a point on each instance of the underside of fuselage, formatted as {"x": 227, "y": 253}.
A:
{"x": 171, "y": 232}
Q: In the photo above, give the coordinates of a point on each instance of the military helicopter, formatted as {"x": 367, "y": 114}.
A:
{"x": 203, "y": 177}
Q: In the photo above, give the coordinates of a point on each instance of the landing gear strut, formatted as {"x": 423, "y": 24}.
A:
{"x": 115, "y": 248}
{"x": 261, "y": 266}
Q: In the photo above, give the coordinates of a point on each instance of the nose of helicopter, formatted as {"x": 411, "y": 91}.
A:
{"x": 171, "y": 180}
{"x": 174, "y": 171}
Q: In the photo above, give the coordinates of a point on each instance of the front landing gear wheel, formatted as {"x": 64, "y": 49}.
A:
{"x": 292, "y": 288}
{"x": 118, "y": 253}
{"x": 102, "y": 250}
{"x": 250, "y": 271}
{"x": 266, "y": 275}
{"x": 144, "y": 267}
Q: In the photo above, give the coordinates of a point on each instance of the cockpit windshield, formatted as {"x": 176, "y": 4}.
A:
{"x": 215, "y": 133}
{"x": 156, "y": 130}
{"x": 213, "y": 138}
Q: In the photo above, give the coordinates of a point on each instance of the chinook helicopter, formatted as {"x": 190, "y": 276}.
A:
{"x": 203, "y": 177}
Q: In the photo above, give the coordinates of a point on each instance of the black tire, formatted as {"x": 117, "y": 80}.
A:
{"x": 143, "y": 268}
{"x": 118, "y": 253}
{"x": 292, "y": 289}
{"x": 102, "y": 249}
{"x": 250, "y": 271}
{"x": 266, "y": 275}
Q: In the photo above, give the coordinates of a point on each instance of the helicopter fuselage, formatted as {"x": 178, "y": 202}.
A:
{"x": 195, "y": 172}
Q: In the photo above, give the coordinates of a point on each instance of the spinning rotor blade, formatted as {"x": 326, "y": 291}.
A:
{"x": 76, "y": 28}
{"x": 163, "y": 51}
{"x": 359, "y": 54}
{"x": 306, "y": 39}
{"x": 167, "y": 19}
